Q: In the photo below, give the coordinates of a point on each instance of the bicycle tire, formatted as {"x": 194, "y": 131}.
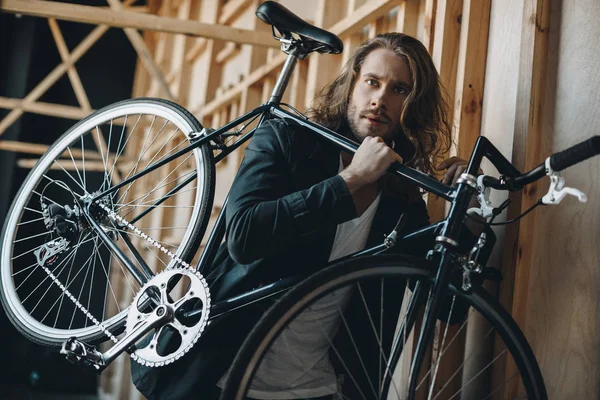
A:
{"x": 166, "y": 127}
{"x": 362, "y": 270}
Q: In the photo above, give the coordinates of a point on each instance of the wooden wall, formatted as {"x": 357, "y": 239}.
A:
{"x": 557, "y": 276}
{"x": 521, "y": 72}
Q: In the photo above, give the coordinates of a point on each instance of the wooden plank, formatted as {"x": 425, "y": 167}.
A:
{"x": 429, "y": 24}
{"x": 196, "y": 50}
{"x": 471, "y": 74}
{"x": 144, "y": 54}
{"x": 228, "y": 51}
{"x": 321, "y": 71}
{"x": 55, "y": 110}
{"x": 369, "y": 11}
{"x": 53, "y": 76}
{"x": 128, "y": 19}
{"x": 297, "y": 88}
{"x": 519, "y": 240}
{"x": 445, "y": 57}
{"x": 232, "y": 9}
{"x": 185, "y": 67}
{"x": 407, "y": 18}
{"x": 71, "y": 71}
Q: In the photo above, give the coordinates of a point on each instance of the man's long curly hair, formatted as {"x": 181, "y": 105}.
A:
{"x": 425, "y": 120}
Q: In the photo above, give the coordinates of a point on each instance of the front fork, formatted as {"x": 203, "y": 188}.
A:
{"x": 446, "y": 243}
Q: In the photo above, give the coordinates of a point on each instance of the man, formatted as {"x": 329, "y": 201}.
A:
{"x": 291, "y": 201}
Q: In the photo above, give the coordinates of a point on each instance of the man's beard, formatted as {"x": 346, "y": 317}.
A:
{"x": 354, "y": 129}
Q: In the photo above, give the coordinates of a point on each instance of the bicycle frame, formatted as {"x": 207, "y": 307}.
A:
{"x": 446, "y": 230}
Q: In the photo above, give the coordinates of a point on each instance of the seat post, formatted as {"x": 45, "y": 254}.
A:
{"x": 285, "y": 75}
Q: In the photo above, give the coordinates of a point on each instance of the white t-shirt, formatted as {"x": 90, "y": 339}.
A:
{"x": 297, "y": 365}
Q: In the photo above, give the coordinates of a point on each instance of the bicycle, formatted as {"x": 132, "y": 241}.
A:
{"x": 73, "y": 212}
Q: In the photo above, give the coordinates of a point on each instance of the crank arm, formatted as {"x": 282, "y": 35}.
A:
{"x": 81, "y": 353}
{"x": 159, "y": 317}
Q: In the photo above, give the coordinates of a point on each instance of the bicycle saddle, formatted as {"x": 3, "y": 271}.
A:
{"x": 287, "y": 22}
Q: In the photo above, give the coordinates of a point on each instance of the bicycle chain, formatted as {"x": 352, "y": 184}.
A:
{"x": 114, "y": 216}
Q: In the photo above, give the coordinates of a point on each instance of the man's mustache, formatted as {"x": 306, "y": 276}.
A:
{"x": 376, "y": 112}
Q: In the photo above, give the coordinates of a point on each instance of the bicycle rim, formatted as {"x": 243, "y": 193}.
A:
{"x": 98, "y": 152}
{"x": 351, "y": 353}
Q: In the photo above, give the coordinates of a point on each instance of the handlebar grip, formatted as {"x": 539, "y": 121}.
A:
{"x": 575, "y": 154}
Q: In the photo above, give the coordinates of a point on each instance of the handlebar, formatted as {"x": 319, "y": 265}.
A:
{"x": 575, "y": 154}
{"x": 558, "y": 161}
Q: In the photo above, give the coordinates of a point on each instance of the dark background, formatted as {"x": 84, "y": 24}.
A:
{"x": 27, "y": 54}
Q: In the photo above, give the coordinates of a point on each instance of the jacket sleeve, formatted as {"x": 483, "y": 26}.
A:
{"x": 264, "y": 215}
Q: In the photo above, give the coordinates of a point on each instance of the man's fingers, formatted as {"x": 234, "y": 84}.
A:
{"x": 449, "y": 174}
{"x": 448, "y": 162}
{"x": 459, "y": 171}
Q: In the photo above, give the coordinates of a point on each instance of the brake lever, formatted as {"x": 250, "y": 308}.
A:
{"x": 557, "y": 191}
{"x": 486, "y": 210}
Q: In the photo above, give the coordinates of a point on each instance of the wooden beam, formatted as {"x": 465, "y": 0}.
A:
{"x": 408, "y": 15}
{"x": 128, "y": 19}
{"x": 323, "y": 70}
{"x": 445, "y": 57}
{"x": 71, "y": 71}
{"x": 471, "y": 74}
{"x": 196, "y": 50}
{"x": 228, "y": 51}
{"x": 55, "y": 110}
{"x": 362, "y": 16}
{"x": 53, "y": 76}
{"x": 144, "y": 54}
{"x": 520, "y": 238}
{"x": 232, "y": 9}
{"x": 429, "y": 24}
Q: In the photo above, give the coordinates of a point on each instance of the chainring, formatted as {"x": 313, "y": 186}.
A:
{"x": 171, "y": 341}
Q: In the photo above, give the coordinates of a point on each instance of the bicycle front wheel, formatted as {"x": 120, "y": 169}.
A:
{"x": 82, "y": 283}
{"x": 351, "y": 329}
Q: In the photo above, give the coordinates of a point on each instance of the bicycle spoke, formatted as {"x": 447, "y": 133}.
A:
{"x": 154, "y": 200}
{"x": 83, "y": 160}
{"x": 107, "y": 274}
{"x": 166, "y": 177}
{"x": 381, "y": 352}
{"x": 32, "y": 236}
{"x": 362, "y": 363}
{"x": 460, "y": 367}
{"x": 133, "y": 169}
{"x": 437, "y": 362}
{"x": 30, "y": 221}
{"x": 480, "y": 372}
{"x": 62, "y": 185}
{"x": 70, "y": 176}
{"x": 66, "y": 286}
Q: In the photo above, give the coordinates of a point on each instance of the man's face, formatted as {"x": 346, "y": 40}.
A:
{"x": 379, "y": 92}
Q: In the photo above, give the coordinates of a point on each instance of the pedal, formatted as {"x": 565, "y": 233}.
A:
{"x": 78, "y": 352}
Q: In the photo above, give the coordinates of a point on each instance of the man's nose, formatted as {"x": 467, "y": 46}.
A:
{"x": 379, "y": 99}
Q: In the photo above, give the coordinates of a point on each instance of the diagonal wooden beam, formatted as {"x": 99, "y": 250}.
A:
{"x": 56, "y": 73}
{"x": 80, "y": 93}
{"x": 129, "y": 19}
{"x": 71, "y": 71}
{"x": 145, "y": 56}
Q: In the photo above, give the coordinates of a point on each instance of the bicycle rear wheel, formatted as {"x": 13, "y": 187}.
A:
{"x": 355, "y": 307}
{"x": 98, "y": 152}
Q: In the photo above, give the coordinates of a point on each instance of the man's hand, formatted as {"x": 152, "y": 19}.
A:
{"x": 454, "y": 167}
{"x": 370, "y": 162}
